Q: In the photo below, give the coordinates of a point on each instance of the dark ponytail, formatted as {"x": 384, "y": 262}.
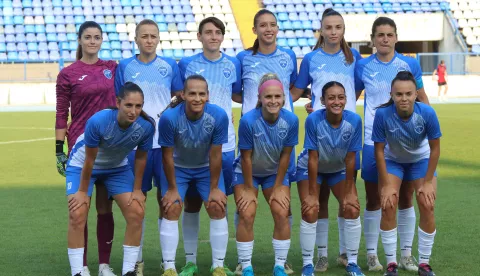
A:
{"x": 347, "y": 52}
{"x": 83, "y": 27}
{"x": 401, "y": 76}
{"x": 256, "y": 44}
{"x": 129, "y": 88}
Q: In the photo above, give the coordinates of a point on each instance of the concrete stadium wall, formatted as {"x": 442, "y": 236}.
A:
{"x": 28, "y": 94}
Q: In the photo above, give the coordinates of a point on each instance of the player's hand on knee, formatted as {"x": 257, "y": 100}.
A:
{"x": 310, "y": 202}
{"x": 428, "y": 192}
{"x": 388, "y": 197}
{"x": 351, "y": 200}
{"x": 77, "y": 200}
{"x": 139, "y": 197}
{"x": 170, "y": 197}
{"x": 217, "y": 196}
{"x": 61, "y": 163}
{"x": 247, "y": 196}
{"x": 279, "y": 195}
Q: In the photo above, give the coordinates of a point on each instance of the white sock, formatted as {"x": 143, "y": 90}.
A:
{"x": 281, "y": 251}
{"x": 140, "y": 252}
{"x": 352, "y": 235}
{"x": 169, "y": 242}
{"x": 160, "y": 237}
{"x": 341, "y": 235}
{"x": 406, "y": 230}
{"x": 307, "y": 241}
{"x": 130, "y": 254}
{"x": 218, "y": 241}
{"x": 322, "y": 237}
{"x": 425, "y": 244}
{"x": 389, "y": 241}
{"x": 371, "y": 224}
{"x": 190, "y": 227}
{"x": 75, "y": 256}
{"x": 245, "y": 251}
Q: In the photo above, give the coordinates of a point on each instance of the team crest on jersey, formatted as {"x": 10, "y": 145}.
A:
{"x": 346, "y": 136}
{"x": 419, "y": 129}
{"x": 283, "y": 62}
{"x": 282, "y": 133}
{"x": 135, "y": 136}
{"x": 227, "y": 73}
{"x": 108, "y": 74}
{"x": 208, "y": 127}
{"x": 163, "y": 71}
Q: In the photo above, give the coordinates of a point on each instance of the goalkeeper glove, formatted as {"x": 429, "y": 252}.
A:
{"x": 61, "y": 157}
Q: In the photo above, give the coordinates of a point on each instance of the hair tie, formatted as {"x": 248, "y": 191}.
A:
{"x": 269, "y": 83}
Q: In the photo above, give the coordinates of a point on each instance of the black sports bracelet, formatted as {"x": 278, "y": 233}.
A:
{"x": 59, "y": 146}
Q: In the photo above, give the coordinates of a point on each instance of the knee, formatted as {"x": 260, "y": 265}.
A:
{"x": 280, "y": 214}
{"x": 78, "y": 218}
{"x": 247, "y": 217}
{"x": 134, "y": 215}
{"x": 424, "y": 208}
{"x": 310, "y": 216}
{"x": 390, "y": 213}
{"x": 173, "y": 212}
{"x": 351, "y": 212}
{"x": 215, "y": 211}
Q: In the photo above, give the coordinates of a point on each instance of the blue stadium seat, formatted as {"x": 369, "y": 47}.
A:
{"x": 167, "y": 10}
{"x": 168, "y": 53}
{"x": 396, "y": 8}
{"x": 135, "y": 3}
{"x": 368, "y": 8}
{"x": 52, "y": 37}
{"x": 302, "y": 42}
{"x": 9, "y": 29}
{"x": 147, "y": 10}
{"x": 20, "y": 38}
{"x": 129, "y": 11}
{"x": 43, "y": 55}
{"x": 348, "y": 8}
{"x": 306, "y": 50}
{"x": 116, "y": 55}
{"x": 107, "y": 11}
{"x": 17, "y": 12}
{"x": 50, "y": 28}
{"x": 306, "y": 24}
{"x": 54, "y": 55}
{"x": 297, "y": 51}
{"x": 425, "y": 7}
{"x": 3, "y": 47}
{"x": 59, "y": 20}
{"x": 299, "y": 8}
{"x": 282, "y": 16}
{"x": 287, "y": 25}
{"x": 79, "y": 19}
{"x": 292, "y": 16}
{"x": 316, "y": 24}
{"x": 71, "y": 36}
{"x": 106, "y": 45}
{"x": 77, "y": 3}
{"x": 69, "y": 19}
{"x": 8, "y": 20}
{"x": 48, "y": 11}
{"x": 11, "y": 47}
{"x": 150, "y": 16}
{"x": 358, "y": 8}
{"x": 72, "y": 45}
{"x": 127, "y": 54}
{"x": 111, "y": 28}
{"x": 12, "y": 56}
{"x": 52, "y": 46}
{"x": 57, "y": 3}
{"x": 280, "y": 8}
{"x": 126, "y": 3}
{"x": 30, "y": 37}
{"x": 62, "y": 37}
{"x": 163, "y": 27}
{"x": 117, "y": 10}
{"x": 8, "y": 11}
{"x": 178, "y": 54}
{"x": 105, "y": 54}
{"x": 3, "y": 57}
{"x": 281, "y": 34}
{"x": 170, "y": 18}
{"x": 126, "y": 45}
{"x": 32, "y": 56}
{"x": 97, "y": 10}
{"x": 123, "y": 37}
{"x": 282, "y": 42}
{"x": 158, "y": 14}
{"x": 387, "y": 7}
{"x": 115, "y": 45}
{"x": 41, "y": 37}
{"x": 66, "y": 55}
{"x": 182, "y": 27}
{"x": 21, "y": 47}
{"x": 22, "y": 55}
{"x": 289, "y": 34}
{"x": 406, "y": 7}
{"x": 155, "y": 3}
{"x": 139, "y": 18}
{"x": 10, "y": 38}
{"x": 179, "y": 18}
{"x": 119, "y": 19}
{"x": 27, "y": 12}
{"x": 297, "y": 25}
{"x": 27, "y": 3}
{"x": 189, "y": 52}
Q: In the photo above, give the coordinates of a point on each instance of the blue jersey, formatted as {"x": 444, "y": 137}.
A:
{"x": 376, "y": 77}
{"x": 318, "y": 68}
{"x": 281, "y": 62}
{"x": 332, "y": 144}
{"x": 223, "y": 77}
{"x": 114, "y": 143}
{"x": 406, "y": 141}
{"x": 158, "y": 79}
{"x": 192, "y": 139}
{"x": 266, "y": 140}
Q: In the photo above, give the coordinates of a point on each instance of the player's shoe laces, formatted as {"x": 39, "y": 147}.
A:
{"x": 354, "y": 270}
{"x": 238, "y": 269}
{"x": 218, "y": 271}
{"x": 373, "y": 263}
{"x": 391, "y": 270}
{"x": 288, "y": 268}
{"x": 248, "y": 271}
{"x": 425, "y": 270}
{"x": 130, "y": 273}
{"x": 170, "y": 272}
{"x": 408, "y": 263}
{"x": 342, "y": 260}
{"x": 308, "y": 270}
{"x": 279, "y": 271}
{"x": 105, "y": 270}
{"x": 189, "y": 269}
{"x": 322, "y": 264}
{"x": 86, "y": 271}
{"x": 139, "y": 268}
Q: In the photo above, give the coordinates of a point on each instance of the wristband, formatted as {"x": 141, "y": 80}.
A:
{"x": 59, "y": 146}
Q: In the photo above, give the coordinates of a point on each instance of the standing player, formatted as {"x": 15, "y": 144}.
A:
{"x": 100, "y": 154}
{"x": 374, "y": 74}
{"x": 159, "y": 79}
{"x": 404, "y": 156}
{"x": 87, "y": 86}
{"x": 223, "y": 75}
{"x": 330, "y": 60}
{"x": 333, "y": 136}
{"x": 192, "y": 136}
{"x": 267, "y": 135}
{"x": 441, "y": 71}
{"x": 262, "y": 58}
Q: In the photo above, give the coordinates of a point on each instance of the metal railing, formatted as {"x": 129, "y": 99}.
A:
{"x": 456, "y": 63}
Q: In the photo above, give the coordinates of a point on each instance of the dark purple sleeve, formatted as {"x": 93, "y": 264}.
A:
{"x": 63, "y": 100}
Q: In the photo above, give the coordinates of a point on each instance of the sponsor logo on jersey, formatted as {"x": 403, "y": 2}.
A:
{"x": 108, "y": 74}
{"x": 227, "y": 73}
{"x": 163, "y": 71}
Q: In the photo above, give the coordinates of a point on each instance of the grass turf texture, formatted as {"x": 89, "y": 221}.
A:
{"x": 34, "y": 210}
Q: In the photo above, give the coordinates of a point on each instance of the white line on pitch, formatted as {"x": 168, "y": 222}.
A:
{"x": 26, "y": 141}
{"x": 33, "y": 128}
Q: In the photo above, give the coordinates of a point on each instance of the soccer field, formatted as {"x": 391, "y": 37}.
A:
{"x": 34, "y": 212}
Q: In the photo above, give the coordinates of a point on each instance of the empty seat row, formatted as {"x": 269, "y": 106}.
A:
{"x": 88, "y": 3}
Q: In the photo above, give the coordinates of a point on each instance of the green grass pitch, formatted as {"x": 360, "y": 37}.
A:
{"x": 34, "y": 212}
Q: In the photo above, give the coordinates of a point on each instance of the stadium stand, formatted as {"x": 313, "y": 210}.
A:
{"x": 45, "y": 30}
